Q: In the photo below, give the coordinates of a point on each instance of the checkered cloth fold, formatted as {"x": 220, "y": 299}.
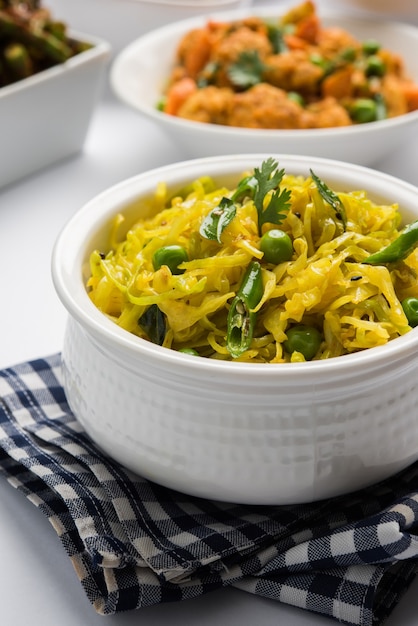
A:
{"x": 134, "y": 543}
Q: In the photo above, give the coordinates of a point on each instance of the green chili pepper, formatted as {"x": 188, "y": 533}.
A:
{"x": 399, "y": 249}
{"x": 410, "y": 307}
{"x": 241, "y": 318}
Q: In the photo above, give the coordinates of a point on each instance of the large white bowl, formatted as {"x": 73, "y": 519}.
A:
{"x": 45, "y": 118}
{"x": 252, "y": 433}
{"x": 139, "y": 73}
{"x": 402, "y": 8}
{"x": 122, "y": 21}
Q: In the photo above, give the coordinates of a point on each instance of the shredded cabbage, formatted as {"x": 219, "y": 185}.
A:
{"x": 355, "y": 306}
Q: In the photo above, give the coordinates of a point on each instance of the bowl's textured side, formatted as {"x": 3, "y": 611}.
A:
{"x": 211, "y": 439}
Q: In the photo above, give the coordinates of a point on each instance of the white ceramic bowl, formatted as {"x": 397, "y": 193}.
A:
{"x": 122, "y": 21}
{"x": 45, "y": 118}
{"x": 401, "y": 8}
{"x": 139, "y": 73}
{"x": 252, "y": 433}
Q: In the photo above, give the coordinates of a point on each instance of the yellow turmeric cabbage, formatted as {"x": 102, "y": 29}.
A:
{"x": 325, "y": 284}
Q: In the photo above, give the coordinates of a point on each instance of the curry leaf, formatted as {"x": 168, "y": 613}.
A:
{"x": 153, "y": 323}
{"x": 331, "y": 197}
{"x": 245, "y": 188}
{"x": 218, "y": 219}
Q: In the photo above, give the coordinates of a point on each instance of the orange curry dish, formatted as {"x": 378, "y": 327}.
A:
{"x": 288, "y": 74}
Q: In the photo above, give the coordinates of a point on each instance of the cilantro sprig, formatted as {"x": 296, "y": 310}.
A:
{"x": 257, "y": 186}
{"x": 247, "y": 70}
{"x": 266, "y": 179}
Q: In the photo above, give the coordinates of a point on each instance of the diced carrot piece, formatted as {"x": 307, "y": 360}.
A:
{"x": 178, "y": 94}
{"x": 295, "y": 43}
{"x": 410, "y": 91}
{"x": 197, "y": 51}
{"x": 338, "y": 84}
{"x": 308, "y": 29}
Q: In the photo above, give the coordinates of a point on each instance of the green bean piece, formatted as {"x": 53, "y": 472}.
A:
{"x": 241, "y": 317}
{"x": 277, "y": 246}
{"x": 399, "y": 249}
{"x": 172, "y": 256}
{"x": 18, "y": 61}
{"x": 45, "y": 43}
{"x": 410, "y": 308}
{"x": 304, "y": 339}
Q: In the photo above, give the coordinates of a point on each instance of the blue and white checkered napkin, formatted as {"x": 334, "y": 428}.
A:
{"x": 134, "y": 544}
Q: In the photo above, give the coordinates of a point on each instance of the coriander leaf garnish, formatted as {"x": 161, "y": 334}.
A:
{"x": 331, "y": 197}
{"x": 218, "y": 219}
{"x": 276, "y": 210}
{"x": 247, "y": 70}
{"x": 268, "y": 179}
{"x": 256, "y": 186}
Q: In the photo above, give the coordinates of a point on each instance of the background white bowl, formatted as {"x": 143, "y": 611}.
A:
{"x": 126, "y": 20}
{"x": 139, "y": 73}
{"x": 253, "y": 433}
{"x": 404, "y": 8}
{"x": 45, "y": 118}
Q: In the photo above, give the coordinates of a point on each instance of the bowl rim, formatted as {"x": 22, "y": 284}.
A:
{"x": 68, "y": 254}
{"x": 181, "y": 26}
{"x": 100, "y": 49}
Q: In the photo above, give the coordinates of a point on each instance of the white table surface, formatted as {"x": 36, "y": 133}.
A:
{"x": 37, "y": 581}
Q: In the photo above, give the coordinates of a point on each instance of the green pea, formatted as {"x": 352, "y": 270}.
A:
{"x": 371, "y": 46}
{"x": 277, "y": 246}
{"x": 325, "y": 64}
{"x": 296, "y": 97}
{"x": 410, "y": 307}
{"x": 190, "y": 351}
{"x": 160, "y": 106}
{"x": 348, "y": 54}
{"x": 375, "y": 66}
{"x": 172, "y": 256}
{"x": 303, "y": 339}
{"x": 363, "y": 110}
